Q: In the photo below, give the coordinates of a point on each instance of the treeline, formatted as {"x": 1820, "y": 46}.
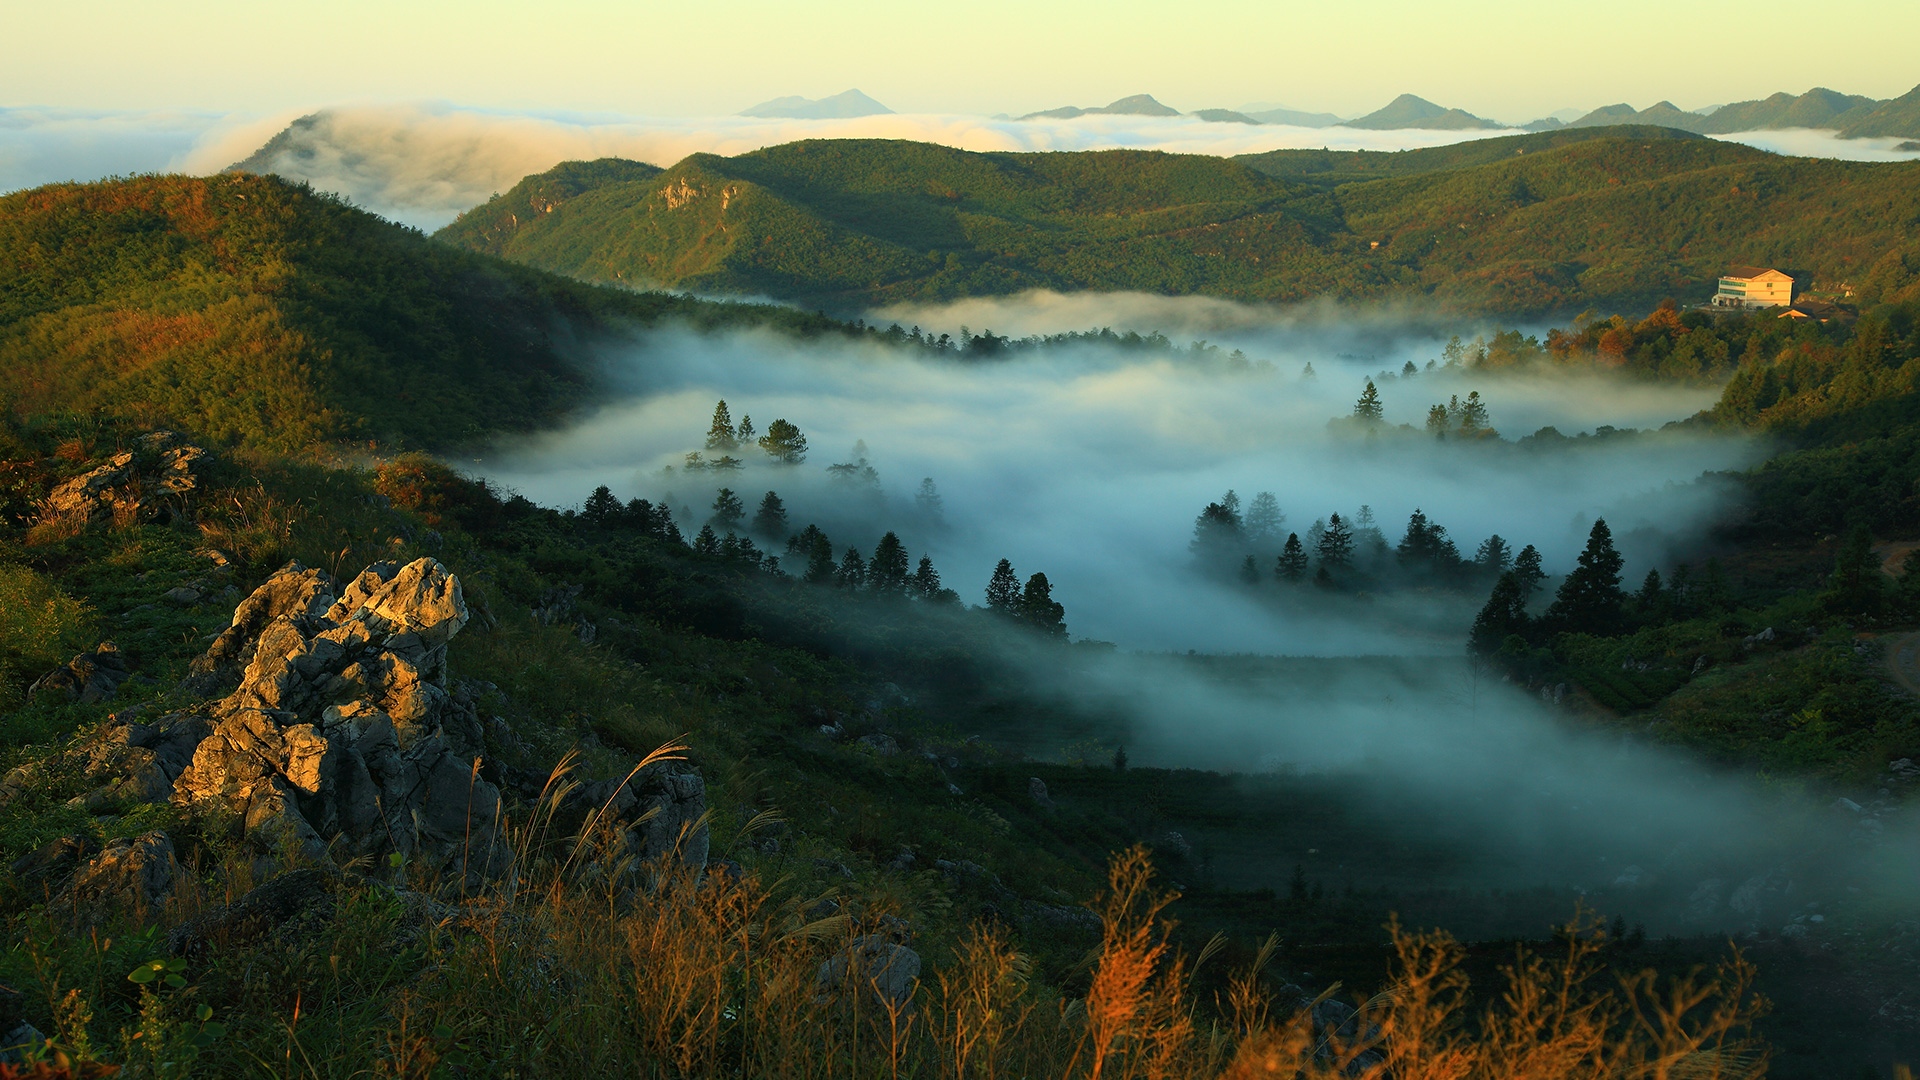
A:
{"x": 1341, "y": 554}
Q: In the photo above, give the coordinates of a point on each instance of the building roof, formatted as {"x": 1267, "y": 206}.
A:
{"x": 1758, "y": 273}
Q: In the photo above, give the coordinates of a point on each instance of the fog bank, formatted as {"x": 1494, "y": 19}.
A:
{"x": 1090, "y": 463}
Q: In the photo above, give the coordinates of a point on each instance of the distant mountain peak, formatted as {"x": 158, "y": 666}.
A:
{"x": 841, "y": 106}
{"x": 1138, "y": 105}
{"x": 1413, "y": 111}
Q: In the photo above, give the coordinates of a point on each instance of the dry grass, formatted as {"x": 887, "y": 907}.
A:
{"x": 579, "y": 962}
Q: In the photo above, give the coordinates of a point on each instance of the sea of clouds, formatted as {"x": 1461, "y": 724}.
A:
{"x": 424, "y": 164}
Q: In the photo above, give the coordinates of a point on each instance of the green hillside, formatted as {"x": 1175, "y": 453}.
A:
{"x": 254, "y": 311}
{"x": 1528, "y": 224}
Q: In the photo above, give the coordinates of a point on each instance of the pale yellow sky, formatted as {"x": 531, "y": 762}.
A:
{"x": 1497, "y": 58}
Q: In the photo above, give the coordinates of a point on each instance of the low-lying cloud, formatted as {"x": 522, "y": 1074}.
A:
{"x": 423, "y": 164}
{"x": 1090, "y": 464}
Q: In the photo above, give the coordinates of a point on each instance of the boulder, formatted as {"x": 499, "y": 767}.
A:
{"x": 51, "y": 865}
{"x": 891, "y": 971}
{"x": 1037, "y": 791}
{"x": 883, "y": 745}
{"x": 89, "y": 678}
{"x": 131, "y": 876}
{"x": 292, "y": 901}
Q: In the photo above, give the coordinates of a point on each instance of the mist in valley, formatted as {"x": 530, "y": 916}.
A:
{"x": 1089, "y": 462}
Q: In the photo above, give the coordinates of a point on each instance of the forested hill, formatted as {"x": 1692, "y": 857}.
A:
{"x": 249, "y": 310}
{"x": 1534, "y": 224}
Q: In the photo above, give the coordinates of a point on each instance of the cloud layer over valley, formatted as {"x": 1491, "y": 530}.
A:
{"x": 423, "y": 164}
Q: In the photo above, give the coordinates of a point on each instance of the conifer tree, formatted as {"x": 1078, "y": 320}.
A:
{"x": 853, "y": 570}
{"x": 1368, "y": 410}
{"x": 1336, "y": 545}
{"x": 727, "y": 509}
{"x": 1495, "y": 556}
{"x": 1589, "y": 600}
{"x": 927, "y": 499}
{"x": 720, "y": 435}
{"x": 1526, "y": 570}
{"x": 1250, "y": 571}
{"x": 1504, "y": 615}
{"x": 1437, "y": 422}
{"x": 819, "y": 552}
{"x": 743, "y": 435}
{"x": 1039, "y": 610}
{"x": 1651, "y": 598}
{"x": 706, "y": 543}
{"x": 1854, "y": 587}
{"x": 926, "y": 580}
{"x": 887, "y": 572}
{"x": 1292, "y": 564}
{"x": 1473, "y": 416}
{"x": 1003, "y": 590}
{"x": 601, "y": 509}
{"x": 784, "y": 443}
{"x": 771, "y": 519}
{"x": 1263, "y": 522}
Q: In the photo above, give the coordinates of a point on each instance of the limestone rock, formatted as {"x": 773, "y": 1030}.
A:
{"x": 89, "y": 678}
{"x": 45, "y": 869}
{"x": 125, "y": 488}
{"x": 132, "y": 875}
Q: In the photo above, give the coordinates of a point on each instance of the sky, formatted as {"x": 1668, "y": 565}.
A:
{"x": 1507, "y": 60}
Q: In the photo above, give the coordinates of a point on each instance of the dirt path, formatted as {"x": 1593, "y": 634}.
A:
{"x": 1903, "y": 659}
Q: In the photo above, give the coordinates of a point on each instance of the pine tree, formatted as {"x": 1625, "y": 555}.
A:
{"x": 1369, "y": 543}
{"x": 1263, "y": 522}
{"x": 1292, "y": 564}
{"x": 1437, "y": 422}
{"x": 720, "y": 433}
{"x": 1495, "y": 556}
{"x": 1526, "y": 570}
{"x": 706, "y": 543}
{"x": 771, "y": 519}
{"x": 820, "y": 568}
{"x": 1409, "y": 370}
{"x": 601, "y": 509}
{"x": 1039, "y": 610}
{"x": 784, "y": 443}
{"x": 1003, "y": 590}
{"x": 927, "y": 499}
{"x": 1589, "y": 600}
{"x": 853, "y": 570}
{"x": 1368, "y": 409}
{"x": 1335, "y": 550}
{"x": 727, "y": 509}
{"x": 743, "y": 435}
{"x": 1504, "y": 615}
{"x": 1473, "y": 416}
{"x": 1651, "y": 599}
{"x": 887, "y": 573}
{"x": 1217, "y": 536}
{"x": 1250, "y": 571}
{"x": 926, "y": 580}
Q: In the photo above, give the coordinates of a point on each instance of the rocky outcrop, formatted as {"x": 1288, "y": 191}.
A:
{"x": 129, "y": 758}
{"x": 341, "y": 725}
{"x": 89, "y": 678}
{"x": 131, "y": 876}
{"x": 147, "y": 483}
{"x": 287, "y": 904}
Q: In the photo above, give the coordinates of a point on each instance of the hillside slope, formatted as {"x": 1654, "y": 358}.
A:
{"x": 1529, "y": 224}
{"x": 249, "y": 310}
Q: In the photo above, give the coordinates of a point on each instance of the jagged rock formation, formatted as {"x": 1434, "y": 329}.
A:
{"x": 337, "y": 738}
{"x": 134, "y": 484}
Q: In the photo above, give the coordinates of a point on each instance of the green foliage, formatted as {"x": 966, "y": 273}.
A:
{"x": 1527, "y": 223}
{"x": 40, "y": 626}
{"x": 251, "y": 311}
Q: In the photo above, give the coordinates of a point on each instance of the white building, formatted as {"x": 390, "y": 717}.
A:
{"x": 1754, "y": 288}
